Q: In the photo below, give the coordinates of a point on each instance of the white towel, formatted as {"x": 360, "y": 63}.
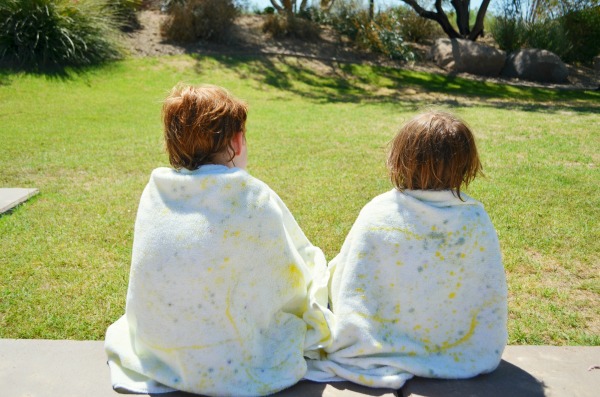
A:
{"x": 226, "y": 294}
{"x": 417, "y": 289}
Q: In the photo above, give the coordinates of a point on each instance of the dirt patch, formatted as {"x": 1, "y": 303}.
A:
{"x": 247, "y": 38}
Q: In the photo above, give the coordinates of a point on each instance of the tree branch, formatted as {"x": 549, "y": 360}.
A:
{"x": 276, "y": 5}
{"x": 478, "y": 27}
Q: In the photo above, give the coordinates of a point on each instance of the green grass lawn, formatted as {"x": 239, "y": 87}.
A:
{"x": 317, "y": 136}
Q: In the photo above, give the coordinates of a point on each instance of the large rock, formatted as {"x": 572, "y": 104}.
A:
{"x": 466, "y": 56}
{"x": 536, "y": 65}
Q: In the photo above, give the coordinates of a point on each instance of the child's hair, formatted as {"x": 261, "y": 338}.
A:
{"x": 433, "y": 151}
{"x": 199, "y": 123}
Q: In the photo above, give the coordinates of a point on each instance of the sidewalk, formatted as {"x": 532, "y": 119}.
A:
{"x": 47, "y": 368}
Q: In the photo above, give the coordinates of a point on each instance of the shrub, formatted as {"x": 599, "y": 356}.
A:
{"x": 548, "y": 35}
{"x": 509, "y": 33}
{"x": 415, "y": 28}
{"x": 41, "y": 35}
{"x": 290, "y": 26}
{"x": 381, "y": 35}
{"x": 126, "y": 13}
{"x": 583, "y": 31}
{"x": 512, "y": 34}
{"x": 193, "y": 20}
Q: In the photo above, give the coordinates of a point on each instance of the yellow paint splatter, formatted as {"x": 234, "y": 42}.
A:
{"x": 466, "y": 337}
{"x": 364, "y": 381}
{"x": 295, "y": 276}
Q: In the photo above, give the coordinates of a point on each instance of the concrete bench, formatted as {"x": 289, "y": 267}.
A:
{"x": 49, "y": 368}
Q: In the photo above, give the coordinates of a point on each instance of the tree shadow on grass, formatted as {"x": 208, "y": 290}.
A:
{"x": 58, "y": 73}
{"x": 330, "y": 81}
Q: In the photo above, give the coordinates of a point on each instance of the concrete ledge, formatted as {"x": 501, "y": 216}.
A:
{"x": 59, "y": 368}
{"x": 48, "y": 368}
{"x": 525, "y": 371}
{"x": 11, "y": 197}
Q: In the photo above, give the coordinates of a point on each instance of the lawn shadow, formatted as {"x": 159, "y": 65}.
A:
{"x": 53, "y": 73}
{"x": 329, "y": 81}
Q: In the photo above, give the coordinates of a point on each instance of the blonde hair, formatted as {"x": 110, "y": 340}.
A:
{"x": 433, "y": 151}
{"x": 199, "y": 123}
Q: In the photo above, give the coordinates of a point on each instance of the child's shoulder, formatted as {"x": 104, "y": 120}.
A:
{"x": 420, "y": 200}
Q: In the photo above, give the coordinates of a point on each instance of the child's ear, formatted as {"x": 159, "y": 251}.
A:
{"x": 238, "y": 143}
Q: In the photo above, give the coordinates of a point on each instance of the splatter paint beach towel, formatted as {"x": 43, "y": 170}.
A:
{"x": 226, "y": 294}
{"x": 417, "y": 289}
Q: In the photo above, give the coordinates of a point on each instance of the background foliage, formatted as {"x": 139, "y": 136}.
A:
{"x": 569, "y": 29}
{"x": 52, "y": 34}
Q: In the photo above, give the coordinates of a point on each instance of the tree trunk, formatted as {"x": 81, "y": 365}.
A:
{"x": 462, "y": 16}
{"x": 276, "y": 5}
{"x": 284, "y": 6}
{"x": 371, "y": 9}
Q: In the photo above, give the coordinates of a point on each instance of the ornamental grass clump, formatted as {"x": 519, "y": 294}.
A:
{"x": 43, "y": 35}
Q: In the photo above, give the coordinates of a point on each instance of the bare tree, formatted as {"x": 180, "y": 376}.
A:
{"x": 462, "y": 8}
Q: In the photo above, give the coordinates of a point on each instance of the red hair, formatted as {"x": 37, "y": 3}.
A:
{"x": 199, "y": 123}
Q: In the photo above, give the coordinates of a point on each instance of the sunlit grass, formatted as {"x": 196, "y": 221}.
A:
{"x": 317, "y": 134}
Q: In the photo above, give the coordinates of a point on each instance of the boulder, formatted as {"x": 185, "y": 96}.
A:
{"x": 536, "y": 65}
{"x": 466, "y": 56}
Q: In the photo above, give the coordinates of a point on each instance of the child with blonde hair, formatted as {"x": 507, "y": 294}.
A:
{"x": 226, "y": 294}
{"x": 419, "y": 287}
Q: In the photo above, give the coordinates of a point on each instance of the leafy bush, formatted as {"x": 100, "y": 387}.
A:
{"x": 415, "y": 28}
{"x": 41, "y": 35}
{"x": 583, "y": 31}
{"x": 191, "y": 20}
{"x": 290, "y": 26}
{"x": 383, "y": 34}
